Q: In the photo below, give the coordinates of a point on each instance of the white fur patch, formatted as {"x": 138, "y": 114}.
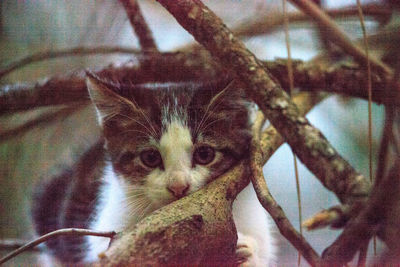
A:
{"x": 110, "y": 213}
{"x": 175, "y": 147}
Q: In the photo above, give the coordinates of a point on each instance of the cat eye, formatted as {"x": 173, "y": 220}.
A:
{"x": 203, "y": 155}
{"x": 151, "y": 158}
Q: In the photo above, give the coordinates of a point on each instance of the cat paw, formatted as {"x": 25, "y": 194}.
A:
{"x": 246, "y": 251}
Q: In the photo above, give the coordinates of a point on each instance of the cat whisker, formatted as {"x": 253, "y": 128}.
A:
{"x": 145, "y": 211}
{"x": 155, "y": 135}
{"x": 210, "y": 108}
{"x": 211, "y": 123}
{"x": 135, "y": 196}
{"x": 139, "y": 208}
{"x": 136, "y": 131}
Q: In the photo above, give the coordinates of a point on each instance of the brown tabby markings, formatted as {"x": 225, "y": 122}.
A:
{"x": 135, "y": 118}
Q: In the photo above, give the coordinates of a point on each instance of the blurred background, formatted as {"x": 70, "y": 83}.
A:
{"x": 31, "y": 26}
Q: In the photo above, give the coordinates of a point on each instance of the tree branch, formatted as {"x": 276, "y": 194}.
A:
{"x": 343, "y": 78}
{"x": 262, "y": 150}
{"x": 335, "y": 216}
{"x": 195, "y": 218}
{"x": 69, "y": 88}
{"x": 12, "y": 244}
{"x": 67, "y": 231}
{"x": 338, "y": 37}
{"x": 69, "y": 52}
{"x": 139, "y": 25}
{"x": 362, "y": 227}
{"x": 307, "y": 142}
{"x": 43, "y": 119}
{"x": 266, "y": 25}
{"x": 276, "y": 212}
{"x": 257, "y": 160}
{"x": 179, "y": 233}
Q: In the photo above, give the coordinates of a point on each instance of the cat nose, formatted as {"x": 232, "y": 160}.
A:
{"x": 179, "y": 189}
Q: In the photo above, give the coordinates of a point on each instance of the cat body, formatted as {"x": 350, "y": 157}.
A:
{"x": 161, "y": 143}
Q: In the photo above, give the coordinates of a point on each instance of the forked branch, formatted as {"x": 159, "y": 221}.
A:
{"x": 307, "y": 142}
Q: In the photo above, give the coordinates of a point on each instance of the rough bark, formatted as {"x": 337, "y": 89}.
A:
{"x": 344, "y": 78}
{"x": 307, "y": 142}
{"x": 196, "y": 230}
{"x": 380, "y": 211}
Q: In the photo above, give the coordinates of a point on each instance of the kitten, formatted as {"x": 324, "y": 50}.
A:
{"x": 161, "y": 143}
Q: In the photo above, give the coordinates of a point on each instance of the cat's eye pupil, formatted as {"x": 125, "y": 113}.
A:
{"x": 151, "y": 158}
{"x": 204, "y": 155}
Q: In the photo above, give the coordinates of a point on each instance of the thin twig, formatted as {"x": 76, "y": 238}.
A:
{"x": 338, "y": 37}
{"x": 263, "y": 25}
{"x": 66, "y": 231}
{"x": 43, "y": 119}
{"x": 266, "y": 25}
{"x": 69, "y": 52}
{"x": 12, "y": 244}
{"x": 369, "y": 87}
{"x": 139, "y": 25}
{"x": 329, "y": 48}
{"x": 323, "y": 218}
{"x": 291, "y": 88}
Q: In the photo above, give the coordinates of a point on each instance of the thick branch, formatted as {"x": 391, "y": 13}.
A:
{"x": 347, "y": 79}
{"x": 307, "y": 142}
{"x": 271, "y": 140}
{"x": 139, "y": 25}
{"x": 390, "y": 230}
{"x": 65, "y": 89}
{"x": 180, "y": 233}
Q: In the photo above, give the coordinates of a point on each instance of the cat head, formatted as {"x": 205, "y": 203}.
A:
{"x": 168, "y": 140}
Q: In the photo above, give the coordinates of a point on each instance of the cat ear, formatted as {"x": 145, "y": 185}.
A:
{"x": 107, "y": 102}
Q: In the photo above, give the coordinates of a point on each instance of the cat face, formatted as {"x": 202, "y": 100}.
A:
{"x": 166, "y": 141}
